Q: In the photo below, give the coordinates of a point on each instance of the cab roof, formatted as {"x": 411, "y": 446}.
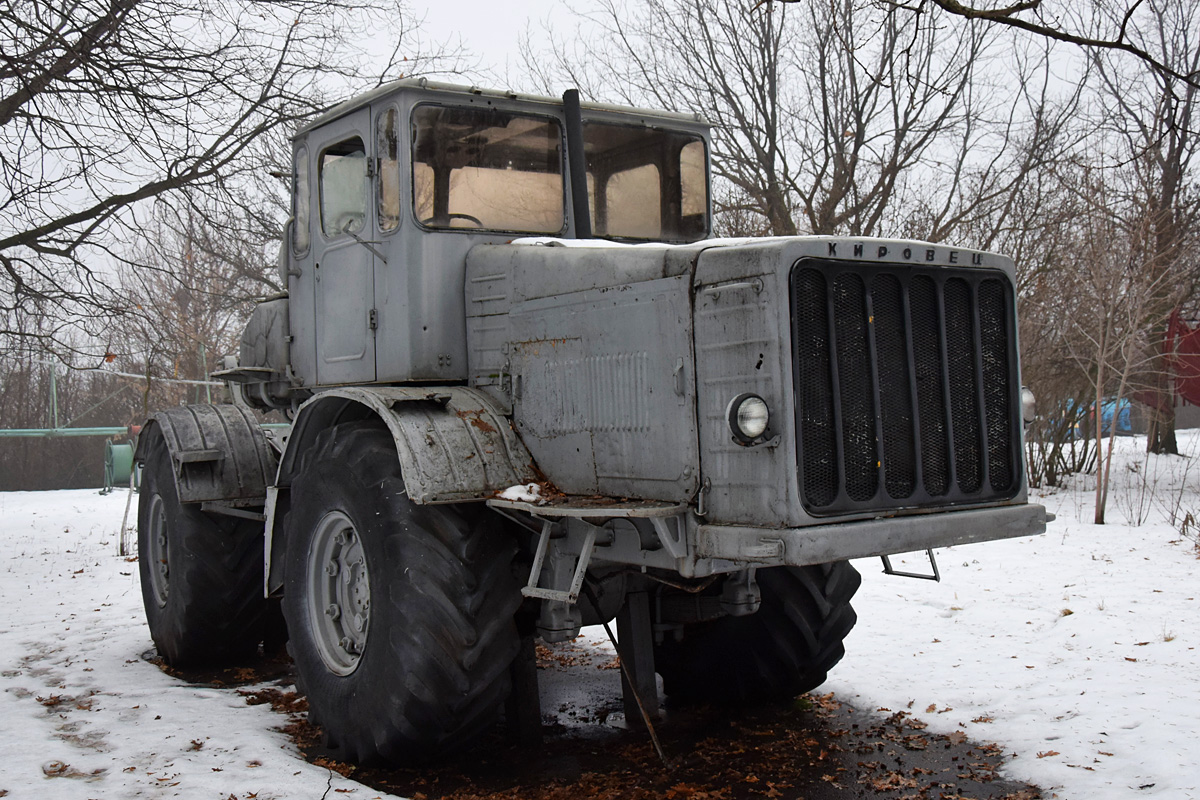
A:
{"x": 669, "y": 118}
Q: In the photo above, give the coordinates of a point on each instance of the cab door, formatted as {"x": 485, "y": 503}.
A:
{"x": 344, "y": 257}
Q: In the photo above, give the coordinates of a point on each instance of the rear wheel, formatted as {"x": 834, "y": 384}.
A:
{"x": 202, "y": 576}
{"x": 401, "y": 617}
{"x": 784, "y": 649}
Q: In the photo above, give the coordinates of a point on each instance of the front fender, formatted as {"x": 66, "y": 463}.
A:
{"x": 453, "y": 443}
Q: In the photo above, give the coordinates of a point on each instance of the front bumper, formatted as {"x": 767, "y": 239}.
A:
{"x": 820, "y": 544}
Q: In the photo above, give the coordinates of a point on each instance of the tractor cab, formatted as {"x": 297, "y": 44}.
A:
{"x": 392, "y": 189}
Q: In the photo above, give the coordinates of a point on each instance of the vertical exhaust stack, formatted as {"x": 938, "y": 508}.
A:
{"x": 577, "y": 164}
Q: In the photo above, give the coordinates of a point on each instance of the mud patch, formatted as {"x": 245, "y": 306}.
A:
{"x": 817, "y": 749}
{"x": 90, "y": 740}
{"x": 283, "y": 702}
{"x": 261, "y": 668}
{"x": 61, "y": 769}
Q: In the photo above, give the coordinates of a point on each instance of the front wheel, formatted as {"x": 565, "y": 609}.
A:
{"x": 400, "y": 616}
{"x": 202, "y": 576}
{"x": 784, "y": 649}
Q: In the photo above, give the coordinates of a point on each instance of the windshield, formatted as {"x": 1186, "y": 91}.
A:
{"x": 479, "y": 168}
{"x": 646, "y": 183}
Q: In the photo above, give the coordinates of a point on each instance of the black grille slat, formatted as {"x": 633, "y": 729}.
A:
{"x": 861, "y": 463}
{"x": 905, "y": 385}
{"x": 815, "y": 385}
{"x": 993, "y": 348}
{"x": 931, "y": 396}
{"x": 964, "y": 408}
{"x": 895, "y": 398}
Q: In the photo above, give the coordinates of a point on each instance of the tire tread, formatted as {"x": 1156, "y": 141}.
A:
{"x": 215, "y": 608}
{"x": 784, "y": 649}
{"x": 448, "y": 577}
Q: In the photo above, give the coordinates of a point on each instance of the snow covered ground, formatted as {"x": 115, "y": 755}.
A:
{"x": 1077, "y": 651}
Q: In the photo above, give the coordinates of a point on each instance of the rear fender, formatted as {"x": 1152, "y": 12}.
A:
{"x": 218, "y": 452}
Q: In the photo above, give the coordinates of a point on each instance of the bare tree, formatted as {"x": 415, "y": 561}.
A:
{"x": 1039, "y": 229}
{"x": 993, "y": 184}
{"x": 1117, "y": 288}
{"x": 826, "y": 116}
{"x": 695, "y": 56}
{"x": 106, "y": 105}
{"x": 1151, "y": 118}
{"x": 1101, "y": 26}
{"x": 190, "y": 298}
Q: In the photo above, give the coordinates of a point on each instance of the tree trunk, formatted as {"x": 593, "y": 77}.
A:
{"x": 1160, "y": 434}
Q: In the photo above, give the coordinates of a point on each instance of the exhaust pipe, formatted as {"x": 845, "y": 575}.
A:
{"x": 577, "y": 165}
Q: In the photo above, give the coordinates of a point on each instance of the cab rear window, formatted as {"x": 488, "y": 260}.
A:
{"x": 646, "y": 183}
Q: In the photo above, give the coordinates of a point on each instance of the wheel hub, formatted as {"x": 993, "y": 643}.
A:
{"x": 339, "y": 591}
{"x": 160, "y": 566}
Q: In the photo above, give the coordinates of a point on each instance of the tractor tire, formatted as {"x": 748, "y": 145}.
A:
{"x": 201, "y": 575}
{"x": 784, "y": 649}
{"x": 401, "y": 617}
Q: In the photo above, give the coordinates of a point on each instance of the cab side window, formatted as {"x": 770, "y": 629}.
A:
{"x": 343, "y": 176}
{"x": 300, "y": 206}
{"x": 646, "y": 183}
{"x": 387, "y": 148}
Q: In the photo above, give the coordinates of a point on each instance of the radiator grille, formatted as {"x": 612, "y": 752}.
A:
{"x": 905, "y": 386}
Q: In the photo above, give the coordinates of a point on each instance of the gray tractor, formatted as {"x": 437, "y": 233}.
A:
{"x": 527, "y": 392}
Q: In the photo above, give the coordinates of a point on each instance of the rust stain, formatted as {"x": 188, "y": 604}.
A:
{"x": 476, "y": 419}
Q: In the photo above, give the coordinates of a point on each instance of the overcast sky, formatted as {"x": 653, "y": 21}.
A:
{"x": 491, "y": 30}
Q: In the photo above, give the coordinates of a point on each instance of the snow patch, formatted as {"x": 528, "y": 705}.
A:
{"x": 523, "y": 493}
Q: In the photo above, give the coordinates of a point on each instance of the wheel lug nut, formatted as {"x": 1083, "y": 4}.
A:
{"x": 333, "y": 611}
{"x": 331, "y": 569}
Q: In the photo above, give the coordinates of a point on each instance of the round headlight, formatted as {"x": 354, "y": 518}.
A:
{"x": 1028, "y": 405}
{"x": 748, "y": 417}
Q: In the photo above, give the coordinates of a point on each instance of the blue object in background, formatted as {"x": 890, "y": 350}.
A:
{"x": 1124, "y": 416}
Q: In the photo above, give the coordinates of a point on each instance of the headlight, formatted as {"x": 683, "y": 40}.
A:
{"x": 1028, "y": 405}
{"x": 748, "y": 417}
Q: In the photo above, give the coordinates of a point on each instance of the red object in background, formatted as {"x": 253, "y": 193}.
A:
{"x": 1183, "y": 343}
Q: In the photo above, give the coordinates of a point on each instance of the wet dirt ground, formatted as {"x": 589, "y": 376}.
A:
{"x": 816, "y": 748}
